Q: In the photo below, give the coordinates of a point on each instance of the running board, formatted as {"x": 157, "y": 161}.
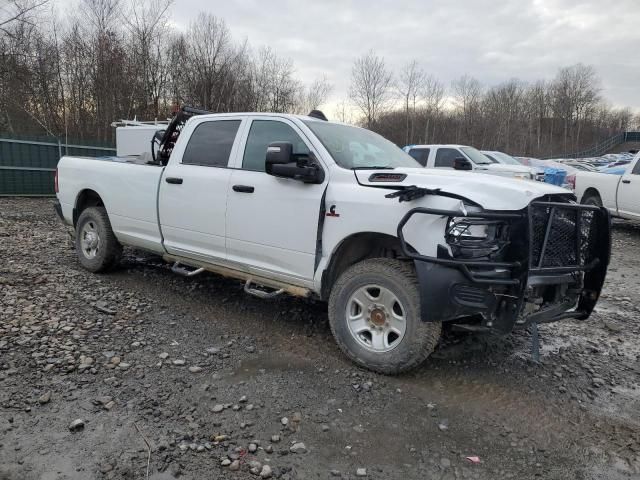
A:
{"x": 256, "y": 292}
{"x": 291, "y": 289}
{"x": 184, "y": 272}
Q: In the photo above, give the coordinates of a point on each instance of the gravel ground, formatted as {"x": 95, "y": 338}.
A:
{"x": 142, "y": 374}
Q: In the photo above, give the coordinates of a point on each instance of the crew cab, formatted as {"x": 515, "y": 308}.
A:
{"x": 299, "y": 205}
{"x": 620, "y": 194}
{"x": 462, "y": 157}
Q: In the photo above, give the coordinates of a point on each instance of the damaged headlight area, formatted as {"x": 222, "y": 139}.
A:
{"x": 476, "y": 238}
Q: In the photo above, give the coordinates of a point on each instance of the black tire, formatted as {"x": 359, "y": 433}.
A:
{"x": 109, "y": 250}
{"x": 420, "y": 338}
{"x": 592, "y": 199}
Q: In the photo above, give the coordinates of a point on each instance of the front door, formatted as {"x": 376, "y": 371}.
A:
{"x": 272, "y": 223}
{"x": 629, "y": 192}
{"x": 193, "y": 190}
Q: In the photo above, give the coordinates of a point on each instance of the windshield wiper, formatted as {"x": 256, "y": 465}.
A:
{"x": 374, "y": 168}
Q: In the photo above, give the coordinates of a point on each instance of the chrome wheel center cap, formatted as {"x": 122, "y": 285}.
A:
{"x": 91, "y": 239}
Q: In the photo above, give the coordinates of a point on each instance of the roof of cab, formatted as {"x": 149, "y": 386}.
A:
{"x": 447, "y": 145}
{"x": 261, "y": 114}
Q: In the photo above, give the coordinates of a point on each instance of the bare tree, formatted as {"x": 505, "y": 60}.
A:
{"x": 410, "y": 83}
{"x": 18, "y": 11}
{"x": 315, "y": 95}
{"x": 370, "y": 86}
{"x": 111, "y": 59}
{"x": 575, "y": 92}
{"x": 147, "y": 22}
{"x": 467, "y": 93}
{"x": 432, "y": 92}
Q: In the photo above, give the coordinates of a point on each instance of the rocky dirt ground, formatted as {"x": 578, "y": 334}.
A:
{"x": 141, "y": 374}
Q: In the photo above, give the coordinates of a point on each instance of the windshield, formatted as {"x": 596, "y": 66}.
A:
{"x": 353, "y": 147}
{"x": 475, "y": 156}
{"x": 506, "y": 159}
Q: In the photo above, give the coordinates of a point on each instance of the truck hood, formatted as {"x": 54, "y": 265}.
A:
{"x": 490, "y": 192}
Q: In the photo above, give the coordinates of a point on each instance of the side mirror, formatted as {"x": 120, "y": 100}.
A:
{"x": 279, "y": 153}
{"x": 158, "y": 136}
{"x": 461, "y": 163}
{"x": 282, "y": 162}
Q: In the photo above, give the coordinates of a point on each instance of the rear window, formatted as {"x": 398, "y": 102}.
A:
{"x": 210, "y": 143}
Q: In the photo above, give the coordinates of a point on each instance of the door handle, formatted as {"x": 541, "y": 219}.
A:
{"x": 173, "y": 180}
{"x": 626, "y": 181}
{"x": 243, "y": 188}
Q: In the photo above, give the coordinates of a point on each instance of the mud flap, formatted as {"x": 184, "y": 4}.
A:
{"x": 440, "y": 294}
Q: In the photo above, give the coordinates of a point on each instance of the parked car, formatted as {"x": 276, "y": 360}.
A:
{"x": 545, "y": 165}
{"x": 620, "y": 194}
{"x": 582, "y": 166}
{"x": 462, "y": 157}
{"x": 505, "y": 159}
{"x": 617, "y": 163}
{"x": 298, "y": 205}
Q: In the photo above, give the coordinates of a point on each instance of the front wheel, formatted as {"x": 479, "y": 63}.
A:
{"x": 374, "y": 313}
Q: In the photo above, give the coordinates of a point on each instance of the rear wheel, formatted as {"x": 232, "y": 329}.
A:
{"x": 374, "y": 312}
{"x": 592, "y": 199}
{"x": 97, "y": 248}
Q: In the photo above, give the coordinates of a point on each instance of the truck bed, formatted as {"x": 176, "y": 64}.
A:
{"x": 127, "y": 185}
{"x": 131, "y": 159}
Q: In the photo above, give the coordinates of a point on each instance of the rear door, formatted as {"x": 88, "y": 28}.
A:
{"x": 193, "y": 190}
{"x": 272, "y": 223}
{"x": 629, "y": 192}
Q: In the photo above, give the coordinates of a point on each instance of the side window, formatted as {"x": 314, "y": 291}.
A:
{"x": 210, "y": 143}
{"x": 636, "y": 168}
{"x": 420, "y": 154}
{"x": 261, "y": 134}
{"x": 446, "y": 156}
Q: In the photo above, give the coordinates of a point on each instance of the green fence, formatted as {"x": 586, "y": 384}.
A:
{"x": 27, "y": 166}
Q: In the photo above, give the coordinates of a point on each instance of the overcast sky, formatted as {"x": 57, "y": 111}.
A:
{"x": 493, "y": 40}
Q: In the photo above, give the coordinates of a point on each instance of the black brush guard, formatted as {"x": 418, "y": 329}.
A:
{"x": 567, "y": 243}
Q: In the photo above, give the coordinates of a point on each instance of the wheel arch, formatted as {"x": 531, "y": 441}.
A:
{"x": 590, "y": 192}
{"x": 86, "y": 198}
{"x": 355, "y": 248}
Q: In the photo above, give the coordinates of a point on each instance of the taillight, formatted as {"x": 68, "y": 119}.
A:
{"x": 571, "y": 181}
{"x": 55, "y": 181}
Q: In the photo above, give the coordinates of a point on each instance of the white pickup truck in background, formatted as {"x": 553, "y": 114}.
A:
{"x": 461, "y": 157}
{"x": 620, "y": 194}
{"x": 298, "y": 205}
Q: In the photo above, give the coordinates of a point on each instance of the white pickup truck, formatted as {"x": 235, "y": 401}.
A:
{"x": 620, "y": 194}
{"x": 298, "y": 205}
{"x": 462, "y": 157}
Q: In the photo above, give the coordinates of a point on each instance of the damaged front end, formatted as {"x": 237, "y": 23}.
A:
{"x": 497, "y": 270}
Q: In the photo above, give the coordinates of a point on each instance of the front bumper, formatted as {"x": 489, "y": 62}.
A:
{"x": 555, "y": 269}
